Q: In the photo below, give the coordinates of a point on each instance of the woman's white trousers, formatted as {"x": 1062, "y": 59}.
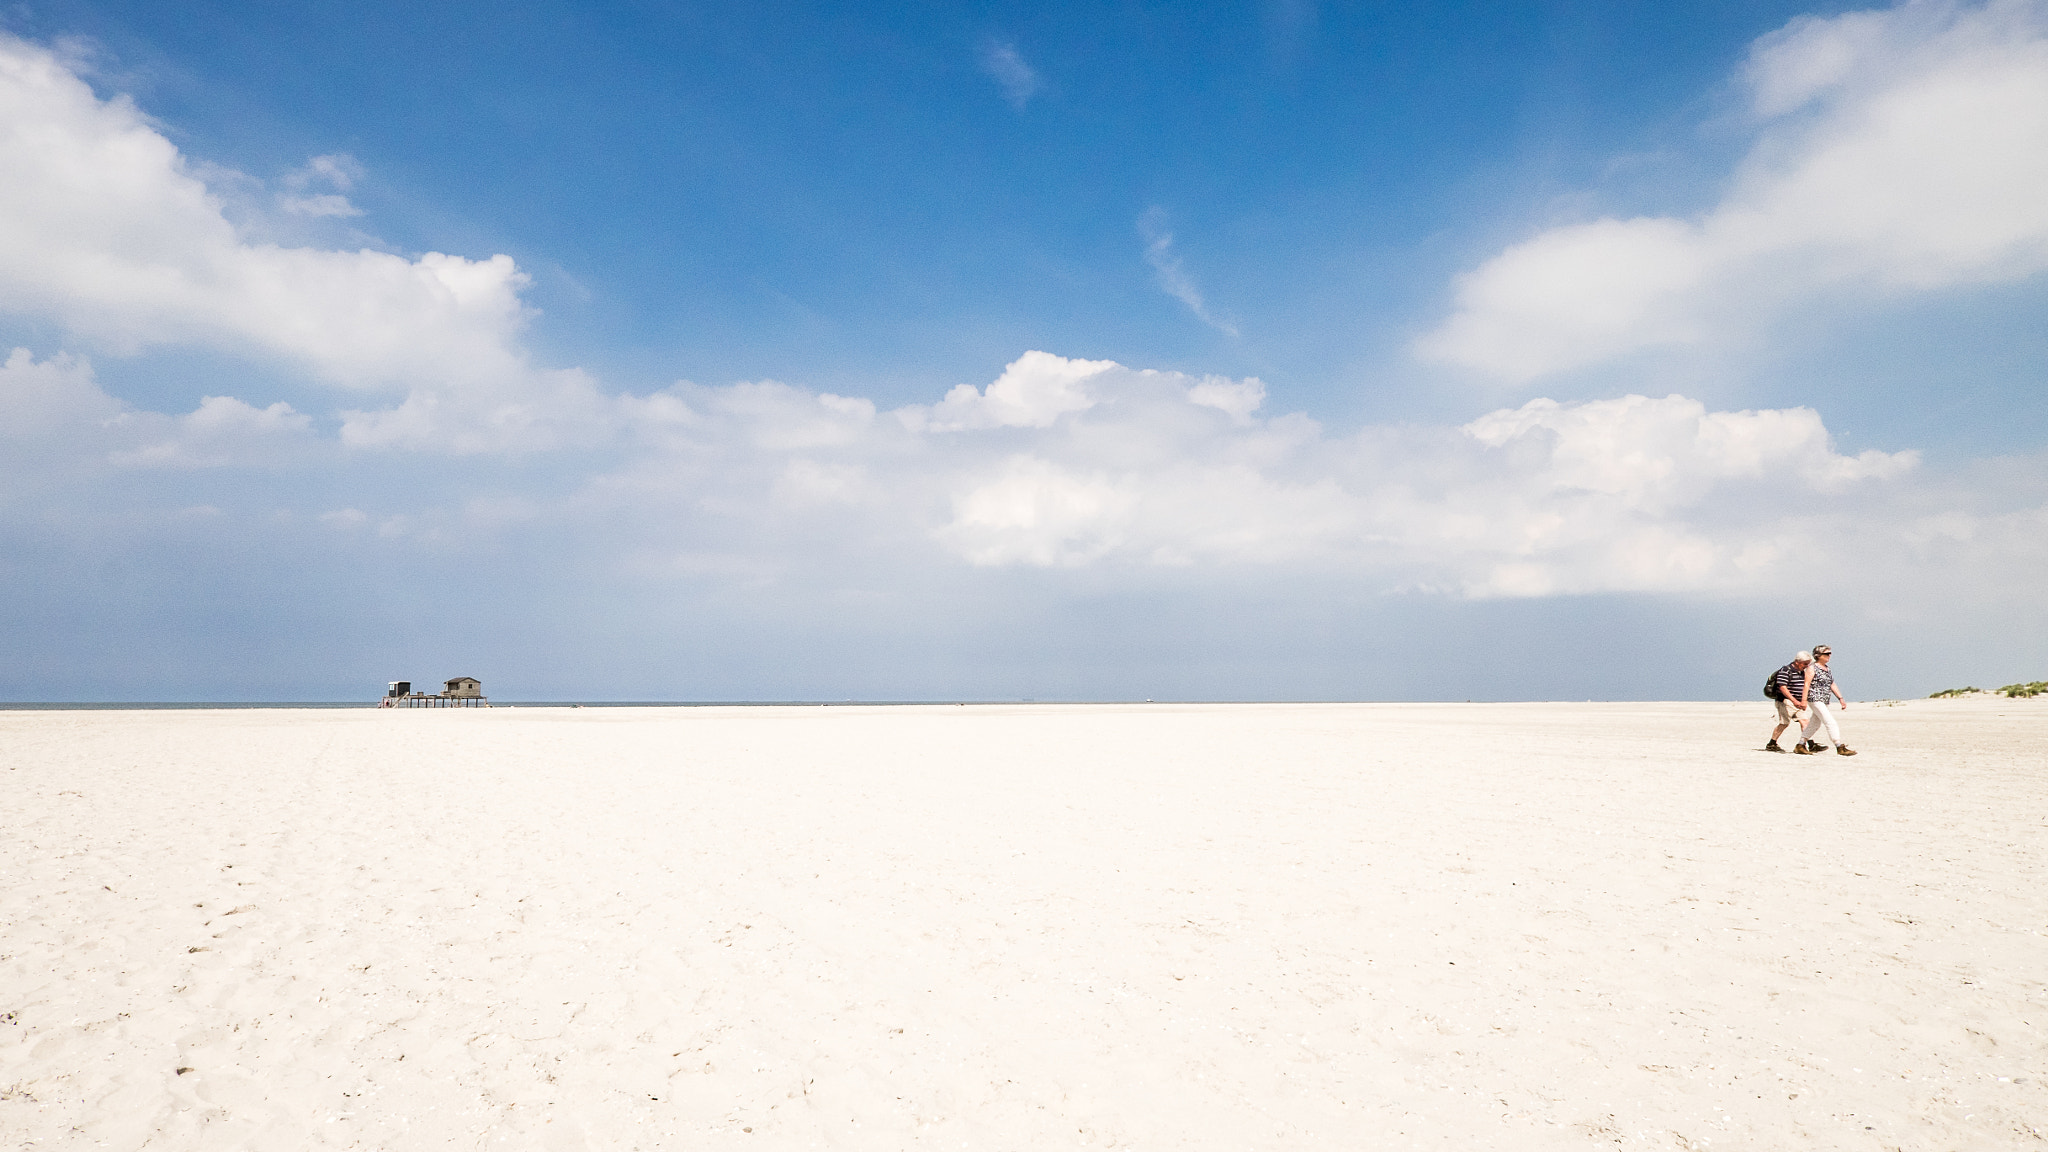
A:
{"x": 1817, "y": 715}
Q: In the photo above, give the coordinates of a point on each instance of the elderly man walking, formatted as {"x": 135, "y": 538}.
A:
{"x": 1790, "y": 682}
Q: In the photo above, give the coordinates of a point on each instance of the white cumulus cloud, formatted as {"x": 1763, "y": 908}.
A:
{"x": 1065, "y": 463}
{"x": 1032, "y": 511}
{"x": 1031, "y": 393}
{"x": 55, "y": 415}
{"x": 107, "y": 231}
{"x": 1090, "y": 464}
{"x": 1058, "y": 463}
{"x": 1900, "y": 151}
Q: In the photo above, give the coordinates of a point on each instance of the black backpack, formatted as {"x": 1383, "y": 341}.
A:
{"x": 1771, "y": 687}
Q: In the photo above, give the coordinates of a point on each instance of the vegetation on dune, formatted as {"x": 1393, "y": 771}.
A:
{"x": 2014, "y": 691}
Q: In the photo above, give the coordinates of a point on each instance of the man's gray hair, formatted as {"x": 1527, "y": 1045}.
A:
{"x": 1806, "y": 656}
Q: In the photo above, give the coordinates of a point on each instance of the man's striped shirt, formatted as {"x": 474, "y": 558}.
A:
{"x": 1791, "y": 681}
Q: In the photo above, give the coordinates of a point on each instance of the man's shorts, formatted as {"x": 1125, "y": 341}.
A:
{"x": 1785, "y": 713}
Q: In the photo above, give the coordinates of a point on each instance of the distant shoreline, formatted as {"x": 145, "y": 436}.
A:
{"x": 153, "y": 705}
{"x": 177, "y": 705}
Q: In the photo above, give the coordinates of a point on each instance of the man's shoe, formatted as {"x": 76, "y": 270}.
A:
{"x": 1772, "y": 746}
{"x": 1802, "y": 749}
{"x": 1844, "y": 750}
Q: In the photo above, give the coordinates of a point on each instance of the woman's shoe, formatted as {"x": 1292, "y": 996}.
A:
{"x": 1802, "y": 749}
{"x": 1844, "y": 750}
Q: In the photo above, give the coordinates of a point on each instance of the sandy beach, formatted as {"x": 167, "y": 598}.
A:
{"x": 1022, "y": 927}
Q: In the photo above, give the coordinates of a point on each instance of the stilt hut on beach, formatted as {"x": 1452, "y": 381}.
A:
{"x": 461, "y": 692}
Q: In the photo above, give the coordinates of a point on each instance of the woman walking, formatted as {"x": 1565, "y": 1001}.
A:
{"x": 1820, "y": 682}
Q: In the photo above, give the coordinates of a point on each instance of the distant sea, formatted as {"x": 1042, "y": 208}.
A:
{"x": 137, "y": 705}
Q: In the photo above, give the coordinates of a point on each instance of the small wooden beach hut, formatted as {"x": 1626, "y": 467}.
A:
{"x": 461, "y": 692}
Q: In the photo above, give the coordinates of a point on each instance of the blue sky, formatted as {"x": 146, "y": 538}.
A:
{"x": 1281, "y": 350}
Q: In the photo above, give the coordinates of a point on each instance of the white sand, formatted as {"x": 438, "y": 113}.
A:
{"x": 1298, "y": 927}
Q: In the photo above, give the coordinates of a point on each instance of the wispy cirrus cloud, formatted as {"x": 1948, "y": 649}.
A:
{"x": 1174, "y": 277}
{"x": 1018, "y": 80}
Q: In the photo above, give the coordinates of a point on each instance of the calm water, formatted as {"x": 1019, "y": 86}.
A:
{"x": 132, "y": 705}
